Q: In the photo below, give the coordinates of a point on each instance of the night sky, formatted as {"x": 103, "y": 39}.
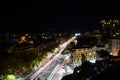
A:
{"x": 58, "y": 16}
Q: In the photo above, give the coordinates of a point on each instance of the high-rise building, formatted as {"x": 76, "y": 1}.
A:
{"x": 110, "y": 28}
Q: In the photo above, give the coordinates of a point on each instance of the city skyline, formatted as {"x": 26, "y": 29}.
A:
{"x": 62, "y": 17}
{"x": 53, "y": 40}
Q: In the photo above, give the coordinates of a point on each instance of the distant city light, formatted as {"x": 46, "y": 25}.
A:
{"x": 77, "y": 34}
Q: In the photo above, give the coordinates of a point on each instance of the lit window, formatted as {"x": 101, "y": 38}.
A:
{"x": 108, "y": 22}
{"x": 113, "y": 24}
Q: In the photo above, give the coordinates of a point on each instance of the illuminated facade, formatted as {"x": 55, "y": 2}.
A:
{"x": 90, "y": 54}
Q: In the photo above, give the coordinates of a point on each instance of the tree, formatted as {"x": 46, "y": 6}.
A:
{"x": 87, "y": 70}
{"x": 83, "y": 57}
{"x": 67, "y": 77}
{"x": 82, "y": 72}
{"x": 104, "y": 63}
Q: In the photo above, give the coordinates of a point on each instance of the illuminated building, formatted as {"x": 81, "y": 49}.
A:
{"x": 88, "y": 51}
{"x": 110, "y": 28}
{"x": 86, "y": 45}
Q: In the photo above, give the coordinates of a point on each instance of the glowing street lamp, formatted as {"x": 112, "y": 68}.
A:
{"x": 77, "y": 34}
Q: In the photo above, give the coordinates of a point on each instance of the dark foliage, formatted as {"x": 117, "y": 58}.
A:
{"x": 111, "y": 73}
{"x": 82, "y": 72}
{"x": 103, "y": 53}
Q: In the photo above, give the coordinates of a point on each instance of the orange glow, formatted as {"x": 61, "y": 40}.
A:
{"x": 23, "y": 38}
{"x": 116, "y": 52}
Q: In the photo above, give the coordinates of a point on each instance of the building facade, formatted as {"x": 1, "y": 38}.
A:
{"x": 89, "y": 54}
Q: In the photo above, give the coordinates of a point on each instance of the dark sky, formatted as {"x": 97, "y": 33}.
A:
{"x": 59, "y": 16}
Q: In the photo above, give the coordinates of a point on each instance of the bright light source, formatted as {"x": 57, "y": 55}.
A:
{"x": 93, "y": 61}
{"x": 78, "y": 71}
{"x": 110, "y": 53}
{"x": 77, "y": 34}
